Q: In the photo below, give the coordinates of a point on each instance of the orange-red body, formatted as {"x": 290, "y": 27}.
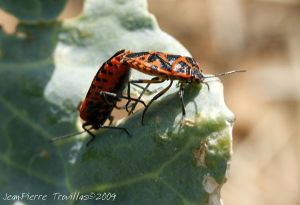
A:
{"x": 114, "y": 74}
{"x": 111, "y": 77}
{"x": 110, "y": 80}
{"x": 166, "y": 66}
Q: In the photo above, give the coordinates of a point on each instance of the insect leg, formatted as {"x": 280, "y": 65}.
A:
{"x": 65, "y": 136}
{"x": 181, "y": 92}
{"x": 90, "y": 133}
{"x": 153, "y": 80}
{"x": 116, "y": 128}
{"x": 142, "y": 88}
{"x": 114, "y": 95}
{"x": 205, "y": 83}
{"x": 105, "y": 94}
{"x": 155, "y": 98}
{"x": 139, "y": 98}
{"x": 100, "y": 127}
{"x": 128, "y": 93}
{"x": 134, "y": 82}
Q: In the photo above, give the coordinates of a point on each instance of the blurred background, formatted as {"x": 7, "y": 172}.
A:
{"x": 262, "y": 36}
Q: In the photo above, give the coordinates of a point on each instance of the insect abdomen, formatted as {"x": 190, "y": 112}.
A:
{"x": 111, "y": 77}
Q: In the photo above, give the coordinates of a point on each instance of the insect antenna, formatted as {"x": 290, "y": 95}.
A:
{"x": 226, "y": 73}
{"x": 68, "y": 135}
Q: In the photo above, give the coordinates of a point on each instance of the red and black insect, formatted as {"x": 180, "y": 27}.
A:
{"x": 167, "y": 67}
{"x": 103, "y": 94}
{"x": 109, "y": 82}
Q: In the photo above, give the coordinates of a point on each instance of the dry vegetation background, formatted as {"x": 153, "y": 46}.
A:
{"x": 262, "y": 36}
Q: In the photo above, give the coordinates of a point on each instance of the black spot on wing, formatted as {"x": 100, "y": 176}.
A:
{"x": 164, "y": 65}
{"x": 172, "y": 58}
{"x": 182, "y": 67}
{"x": 191, "y": 61}
{"x": 116, "y": 54}
{"x": 109, "y": 60}
{"x": 102, "y": 68}
{"x": 152, "y": 58}
{"x": 135, "y": 55}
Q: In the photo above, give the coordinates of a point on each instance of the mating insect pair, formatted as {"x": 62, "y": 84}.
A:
{"x": 113, "y": 76}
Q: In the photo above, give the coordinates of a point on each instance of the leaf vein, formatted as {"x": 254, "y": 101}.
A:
{"x": 24, "y": 118}
{"x": 29, "y": 172}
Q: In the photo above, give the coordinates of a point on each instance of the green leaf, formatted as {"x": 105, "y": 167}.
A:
{"x": 34, "y": 10}
{"x": 167, "y": 161}
{"x": 28, "y": 163}
{"x": 46, "y": 69}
